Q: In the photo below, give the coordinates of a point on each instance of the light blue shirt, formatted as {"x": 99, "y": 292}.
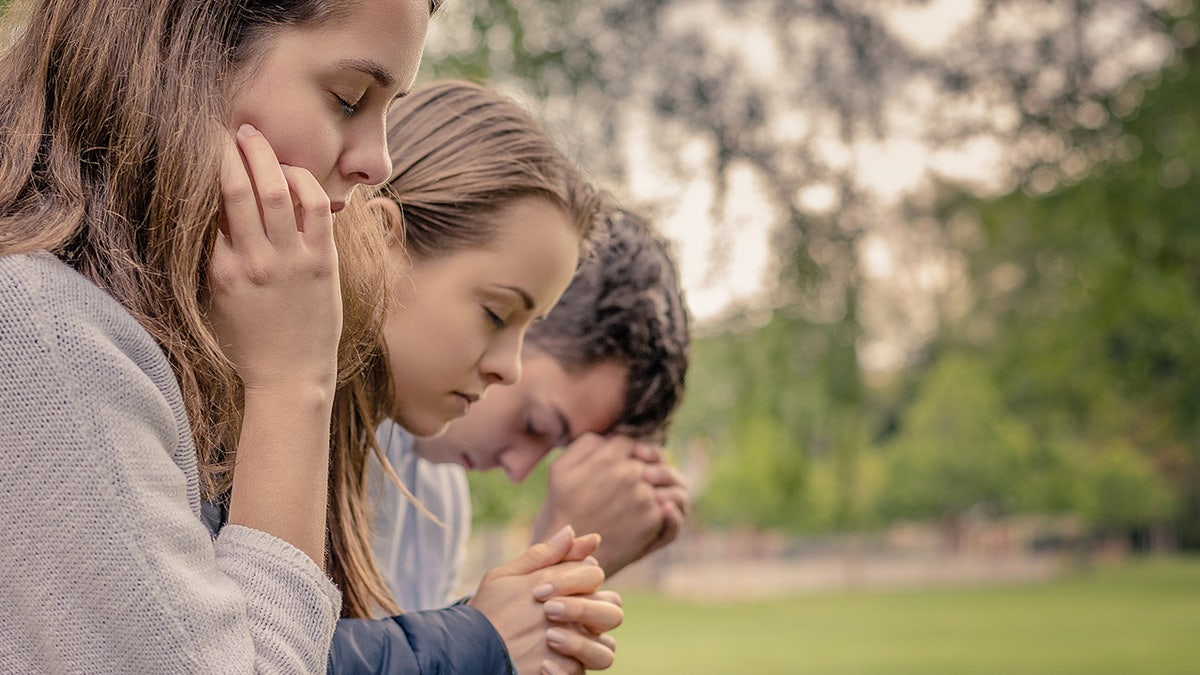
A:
{"x": 419, "y": 559}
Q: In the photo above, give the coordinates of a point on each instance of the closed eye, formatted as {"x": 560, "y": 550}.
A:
{"x": 348, "y": 109}
{"x": 495, "y": 318}
{"x": 532, "y": 430}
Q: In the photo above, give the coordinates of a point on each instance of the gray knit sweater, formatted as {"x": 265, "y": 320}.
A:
{"x": 105, "y": 565}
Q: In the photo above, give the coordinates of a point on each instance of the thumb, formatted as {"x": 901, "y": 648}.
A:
{"x": 549, "y": 552}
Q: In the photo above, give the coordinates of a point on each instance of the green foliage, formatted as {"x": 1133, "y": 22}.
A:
{"x": 761, "y": 399}
{"x": 1090, "y": 299}
{"x": 761, "y": 484}
{"x": 1074, "y": 373}
{"x": 1119, "y": 488}
{"x": 497, "y": 501}
{"x": 958, "y": 448}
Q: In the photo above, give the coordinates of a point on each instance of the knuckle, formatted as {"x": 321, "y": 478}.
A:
{"x": 222, "y": 275}
{"x": 257, "y": 271}
{"x": 323, "y": 268}
{"x": 276, "y": 198}
{"x": 318, "y": 204}
{"x": 237, "y": 191}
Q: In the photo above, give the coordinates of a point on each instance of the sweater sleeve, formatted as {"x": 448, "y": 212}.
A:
{"x": 105, "y": 565}
{"x": 456, "y": 639}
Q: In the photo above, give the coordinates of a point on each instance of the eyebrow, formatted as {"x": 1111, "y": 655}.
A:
{"x": 371, "y": 68}
{"x": 526, "y": 298}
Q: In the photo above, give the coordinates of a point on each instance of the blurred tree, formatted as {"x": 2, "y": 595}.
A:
{"x": 811, "y": 97}
{"x": 1087, "y": 300}
{"x": 1120, "y": 490}
{"x": 805, "y": 94}
{"x": 958, "y": 449}
{"x": 775, "y": 407}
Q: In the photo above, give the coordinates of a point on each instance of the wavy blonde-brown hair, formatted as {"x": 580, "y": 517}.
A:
{"x": 110, "y": 112}
{"x": 461, "y": 153}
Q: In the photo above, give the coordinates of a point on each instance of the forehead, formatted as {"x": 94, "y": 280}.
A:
{"x": 591, "y": 398}
{"x": 388, "y": 33}
{"x": 535, "y": 249}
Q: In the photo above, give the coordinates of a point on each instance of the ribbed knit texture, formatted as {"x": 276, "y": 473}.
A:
{"x": 105, "y": 566}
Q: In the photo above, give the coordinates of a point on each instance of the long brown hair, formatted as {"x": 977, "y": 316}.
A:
{"x": 460, "y": 154}
{"x": 110, "y": 112}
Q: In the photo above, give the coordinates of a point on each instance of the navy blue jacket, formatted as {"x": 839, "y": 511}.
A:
{"x": 456, "y": 639}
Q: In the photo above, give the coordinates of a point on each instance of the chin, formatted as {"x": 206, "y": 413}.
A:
{"x": 427, "y": 428}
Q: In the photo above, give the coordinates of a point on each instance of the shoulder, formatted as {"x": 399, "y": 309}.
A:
{"x": 84, "y": 378}
{"x": 43, "y": 299}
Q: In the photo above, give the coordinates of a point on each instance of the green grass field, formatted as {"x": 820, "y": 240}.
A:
{"x": 1140, "y": 617}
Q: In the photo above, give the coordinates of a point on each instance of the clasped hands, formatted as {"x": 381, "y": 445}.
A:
{"x": 620, "y": 488}
{"x": 548, "y": 607}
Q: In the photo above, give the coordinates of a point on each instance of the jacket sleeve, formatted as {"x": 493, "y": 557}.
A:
{"x": 456, "y": 639}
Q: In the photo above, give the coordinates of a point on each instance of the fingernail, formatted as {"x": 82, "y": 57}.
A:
{"x": 591, "y": 560}
{"x": 247, "y": 130}
{"x": 562, "y": 536}
{"x": 556, "y": 637}
{"x": 542, "y": 592}
{"x": 555, "y": 607}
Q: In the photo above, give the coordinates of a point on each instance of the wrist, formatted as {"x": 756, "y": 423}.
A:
{"x": 301, "y": 397}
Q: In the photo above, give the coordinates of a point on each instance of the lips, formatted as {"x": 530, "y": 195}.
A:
{"x": 465, "y": 401}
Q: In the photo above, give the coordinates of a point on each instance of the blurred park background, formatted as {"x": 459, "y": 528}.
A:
{"x": 943, "y": 263}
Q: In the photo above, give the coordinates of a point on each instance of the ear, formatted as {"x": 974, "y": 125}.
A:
{"x": 392, "y": 218}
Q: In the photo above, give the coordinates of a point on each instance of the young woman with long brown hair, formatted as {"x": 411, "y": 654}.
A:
{"x": 169, "y": 176}
{"x": 487, "y": 221}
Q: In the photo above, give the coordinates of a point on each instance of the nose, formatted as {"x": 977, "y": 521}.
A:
{"x": 501, "y": 363}
{"x": 366, "y": 159}
{"x": 519, "y": 459}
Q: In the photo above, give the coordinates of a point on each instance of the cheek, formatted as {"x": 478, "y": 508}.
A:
{"x": 309, "y": 148}
{"x": 429, "y": 349}
{"x": 298, "y": 137}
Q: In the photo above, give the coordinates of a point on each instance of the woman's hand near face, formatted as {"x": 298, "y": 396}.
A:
{"x": 276, "y": 304}
{"x": 276, "y": 309}
{"x": 566, "y": 634}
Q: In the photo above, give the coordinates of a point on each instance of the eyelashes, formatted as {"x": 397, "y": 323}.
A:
{"x": 495, "y": 318}
{"x": 348, "y": 109}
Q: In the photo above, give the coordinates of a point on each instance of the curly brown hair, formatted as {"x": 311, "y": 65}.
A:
{"x": 625, "y": 305}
